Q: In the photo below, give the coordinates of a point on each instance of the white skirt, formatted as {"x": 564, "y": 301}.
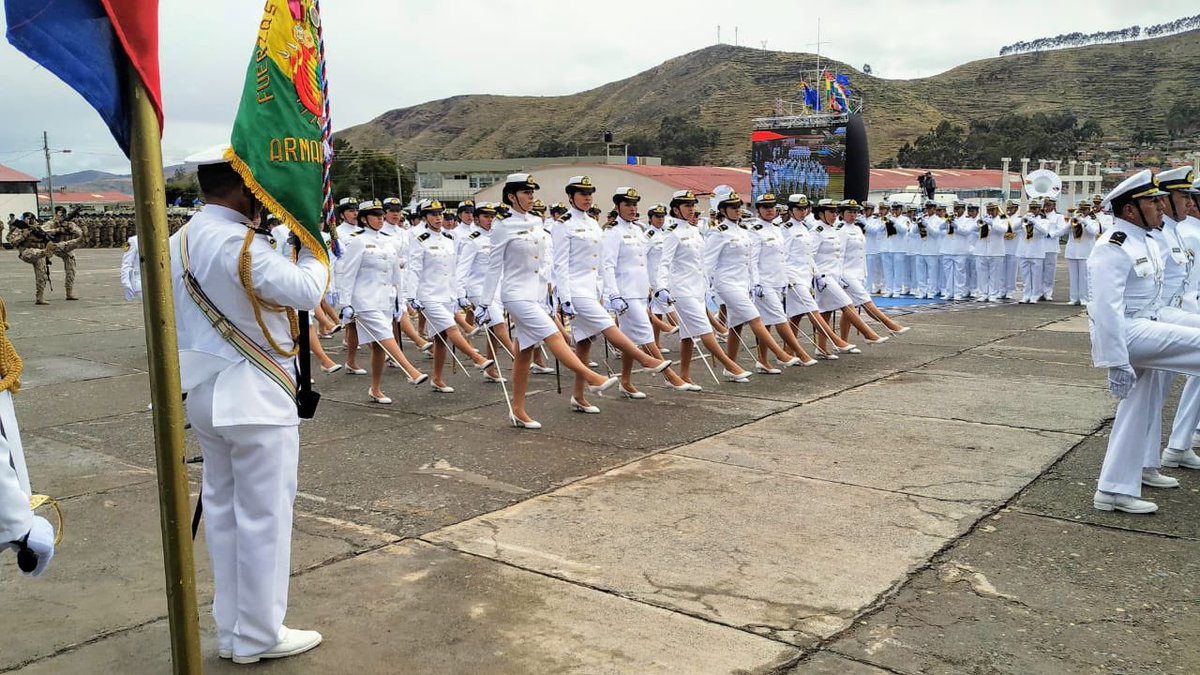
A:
{"x": 531, "y": 324}
{"x": 374, "y": 325}
{"x": 857, "y": 291}
{"x": 658, "y": 306}
{"x": 439, "y": 316}
{"x": 635, "y": 323}
{"x": 496, "y": 313}
{"x": 799, "y": 300}
{"x": 832, "y": 297}
{"x": 692, "y": 318}
{"x": 770, "y": 307}
{"x": 590, "y": 318}
{"x": 739, "y": 308}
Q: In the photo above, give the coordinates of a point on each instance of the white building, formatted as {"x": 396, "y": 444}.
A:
{"x": 18, "y": 194}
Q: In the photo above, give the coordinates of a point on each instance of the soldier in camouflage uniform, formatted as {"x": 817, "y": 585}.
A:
{"x": 65, "y": 237}
{"x": 37, "y": 243}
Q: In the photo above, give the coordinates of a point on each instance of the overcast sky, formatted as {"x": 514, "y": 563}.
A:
{"x": 385, "y": 55}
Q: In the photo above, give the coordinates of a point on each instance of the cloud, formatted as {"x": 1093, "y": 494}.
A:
{"x": 395, "y": 54}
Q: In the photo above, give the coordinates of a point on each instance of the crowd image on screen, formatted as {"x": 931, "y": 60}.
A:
{"x": 792, "y": 165}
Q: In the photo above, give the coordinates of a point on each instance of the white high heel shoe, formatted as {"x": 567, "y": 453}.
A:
{"x": 579, "y": 407}
{"x": 384, "y": 400}
{"x": 601, "y": 388}
{"x": 420, "y": 379}
{"x": 905, "y": 329}
{"x": 531, "y": 424}
{"x": 762, "y": 369}
{"x": 743, "y": 378}
{"x": 631, "y": 395}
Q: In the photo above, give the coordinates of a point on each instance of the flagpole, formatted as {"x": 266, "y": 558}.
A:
{"x": 158, "y": 308}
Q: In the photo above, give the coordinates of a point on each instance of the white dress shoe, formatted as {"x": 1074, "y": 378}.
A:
{"x": 686, "y": 386}
{"x": 294, "y": 642}
{"x": 846, "y": 349}
{"x": 743, "y": 378}
{"x": 600, "y": 389}
{"x": 1104, "y": 501}
{"x": 902, "y": 331}
{"x": 541, "y": 370}
{"x": 332, "y": 369}
{"x": 579, "y": 407}
{"x": 443, "y": 390}
{"x": 855, "y": 350}
{"x": 631, "y": 395}
{"x": 661, "y": 367}
{"x": 531, "y": 424}
{"x": 794, "y": 361}
{"x": 1152, "y": 478}
{"x": 384, "y": 400}
{"x": 764, "y": 370}
{"x": 882, "y": 339}
{"x": 427, "y": 350}
{"x": 489, "y": 378}
{"x": 420, "y": 379}
{"x": 1183, "y": 459}
{"x": 827, "y": 357}
{"x": 485, "y": 365}
{"x": 355, "y": 371}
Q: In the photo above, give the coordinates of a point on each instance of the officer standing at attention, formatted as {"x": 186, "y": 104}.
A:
{"x": 1126, "y": 270}
{"x": 242, "y": 410}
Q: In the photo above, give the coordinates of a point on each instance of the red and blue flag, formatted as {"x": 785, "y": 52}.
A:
{"x": 89, "y": 44}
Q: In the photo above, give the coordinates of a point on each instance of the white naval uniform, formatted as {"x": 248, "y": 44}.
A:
{"x": 873, "y": 230}
{"x": 344, "y": 230}
{"x": 800, "y": 297}
{"x": 827, "y": 260}
{"x": 854, "y": 263}
{"x": 16, "y": 518}
{"x": 1124, "y": 316}
{"x": 731, "y": 272}
{"x": 681, "y": 272}
{"x": 1031, "y": 254}
{"x": 370, "y": 274}
{"x": 1078, "y": 249}
{"x": 1187, "y": 416}
{"x": 131, "y": 270}
{"x": 926, "y": 265}
{"x": 400, "y": 239}
{"x": 1056, "y": 227}
{"x": 626, "y": 275}
{"x": 895, "y": 255}
{"x": 245, "y": 422}
{"x": 515, "y": 264}
{"x": 576, "y": 272}
{"x": 654, "y": 252}
{"x": 431, "y": 264}
{"x": 474, "y": 260}
{"x": 955, "y": 250}
{"x": 1008, "y": 227}
{"x": 989, "y": 258}
{"x": 769, "y": 256}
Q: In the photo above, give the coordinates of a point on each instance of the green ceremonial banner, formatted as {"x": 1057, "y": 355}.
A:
{"x": 278, "y": 141}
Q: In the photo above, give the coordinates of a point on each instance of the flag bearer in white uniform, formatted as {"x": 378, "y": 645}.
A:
{"x": 243, "y": 410}
{"x": 1081, "y": 239}
{"x": 989, "y": 254}
{"x": 1133, "y": 338}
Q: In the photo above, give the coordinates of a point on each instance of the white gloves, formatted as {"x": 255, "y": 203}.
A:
{"x": 618, "y": 304}
{"x": 1121, "y": 380}
{"x": 35, "y": 550}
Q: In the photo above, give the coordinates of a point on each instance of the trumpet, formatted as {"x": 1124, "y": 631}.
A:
{"x": 1077, "y": 228}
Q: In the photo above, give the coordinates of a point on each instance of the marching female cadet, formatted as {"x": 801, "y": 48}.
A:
{"x": 1126, "y": 272}
{"x": 514, "y": 263}
{"x": 347, "y": 215}
{"x": 799, "y": 299}
{"x": 831, "y": 293}
{"x": 20, "y": 529}
{"x": 680, "y": 286}
{"x": 1009, "y": 226}
{"x": 854, "y": 270}
{"x": 627, "y": 286}
{"x": 1081, "y": 239}
{"x": 395, "y": 226}
{"x": 733, "y": 274}
{"x": 576, "y": 272}
{"x": 370, "y": 273}
{"x": 769, "y": 255}
{"x": 431, "y": 265}
{"x": 656, "y": 218}
{"x": 474, "y": 257}
{"x": 1031, "y": 252}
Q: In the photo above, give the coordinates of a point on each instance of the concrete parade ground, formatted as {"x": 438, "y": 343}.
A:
{"x": 922, "y": 507}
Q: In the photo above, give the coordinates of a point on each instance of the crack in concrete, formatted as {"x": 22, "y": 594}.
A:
{"x": 79, "y": 645}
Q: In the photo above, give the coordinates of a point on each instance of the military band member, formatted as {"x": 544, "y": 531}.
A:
{"x": 1009, "y": 226}
{"x": 243, "y": 411}
{"x": 989, "y": 253}
{"x": 1031, "y": 252}
{"x": 431, "y": 264}
{"x": 872, "y": 226}
{"x": 1056, "y": 227}
{"x": 925, "y": 243}
{"x": 893, "y": 251}
{"x": 514, "y": 268}
{"x": 955, "y": 251}
{"x": 1081, "y": 239}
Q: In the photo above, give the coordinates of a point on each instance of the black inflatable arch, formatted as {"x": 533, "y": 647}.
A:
{"x": 858, "y": 160}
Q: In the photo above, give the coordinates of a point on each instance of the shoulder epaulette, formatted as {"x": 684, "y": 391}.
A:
{"x": 386, "y": 234}
{"x": 355, "y": 234}
{"x": 820, "y": 228}
{"x": 476, "y": 233}
{"x": 565, "y": 218}
{"x": 423, "y": 236}
{"x": 1118, "y": 237}
{"x": 722, "y": 227}
{"x": 758, "y": 226}
{"x": 671, "y": 227}
{"x": 788, "y": 224}
{"x": 650, "y": 232}
{"x": 447, "y": 235}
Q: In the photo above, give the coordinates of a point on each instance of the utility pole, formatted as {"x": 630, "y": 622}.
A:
{"x": 49, "y": 174}
{"x": 399, "y": 177}
{"x": 735, "y": 36}
{"x": 718, "y": 34}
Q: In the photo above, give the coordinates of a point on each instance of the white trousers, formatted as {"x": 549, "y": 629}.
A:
{"x": 990, "y": 272}
{"x": 15, "y": 516}
{"x": 972, "y": 277}
{"x": 1010, "y": 274}
{"x": 1187, "y": 416}
{"x": 875, "y": 275}
{"x": 1077, "y": 270}
{"x": 1049, "y": 269}
{"x": 1031, "y": 278}
{"x": 925, "y": 274}
{"x": 954, "y": 275}
{"x": 1133, "y": 444}
{"x": 901, "y": 271}
{"x": 248, "y": 490}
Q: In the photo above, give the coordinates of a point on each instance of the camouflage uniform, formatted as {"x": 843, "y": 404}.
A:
{"x": 31, "y": 248}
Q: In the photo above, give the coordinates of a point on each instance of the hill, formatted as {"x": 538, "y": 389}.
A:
{"x": 723, "y": 87}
